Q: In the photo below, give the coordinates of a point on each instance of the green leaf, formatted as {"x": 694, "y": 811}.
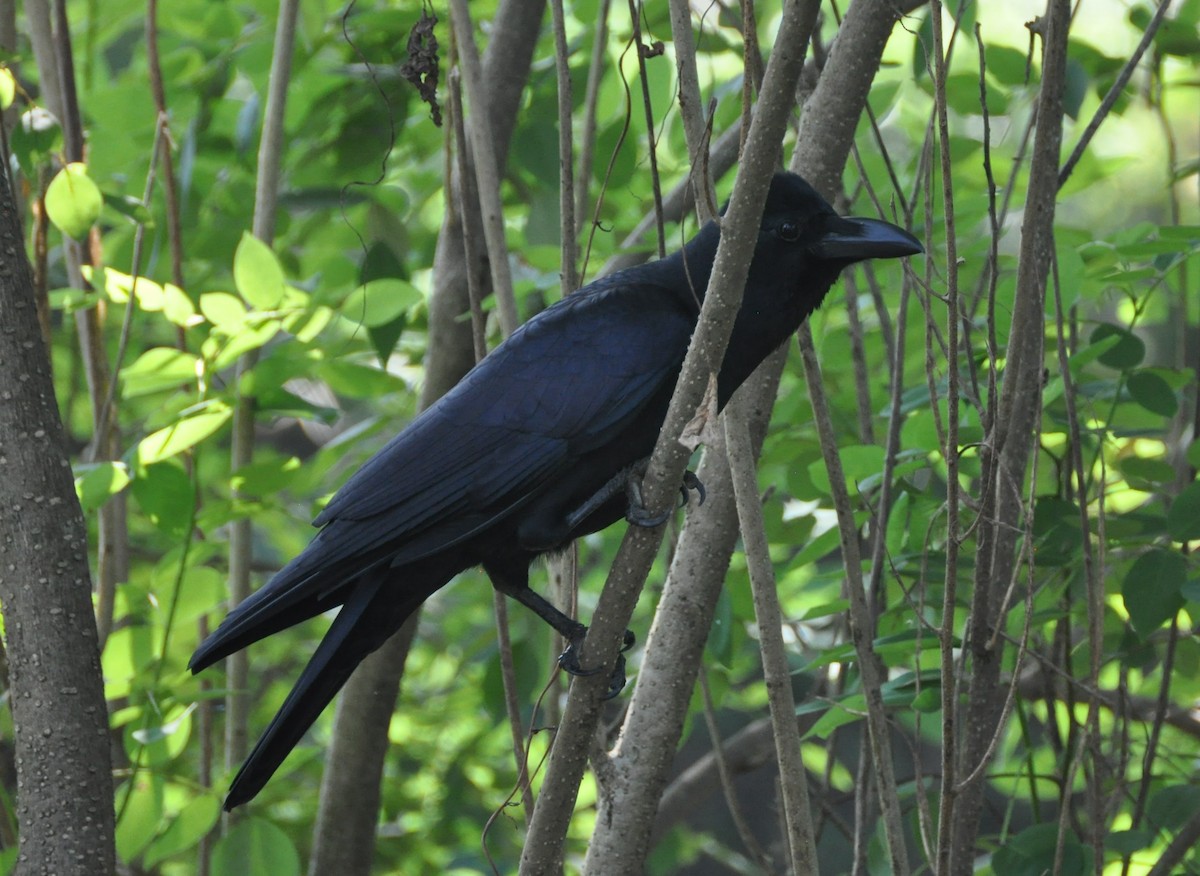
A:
{"x": 8, "y": 88}
{"x": 255, "y": 847}
{"x": 177, "y": 307}
{"x": 73, "y": 201}
{"x": 166, "y": 495}
{"x": 1153, "y": 393}
{"x": 184, "y": 434}
{"x": 1128, "y": 351}
{"x": 1146, "y": 474}
{"x": 379, "y": 302}
{"x": 1126, "y": 842}
{"x": 1172, "y": 807}
{"x": 140, "y": 817}
{"x": 1183, "y": 520}
{"x": 36, "y": 139}
{"x": 1152, "y": 589}
{"x": 1007, "y": 64}
{"x": 96, "y": 484}
{"x": 257, "y": 274}
{"x": 157, "y": 369}
{"x": 1193, "y": 453}
{"x": 1032, "y": 852}
{"x": 223, "y": 310}
{"x": 185, "y": 830}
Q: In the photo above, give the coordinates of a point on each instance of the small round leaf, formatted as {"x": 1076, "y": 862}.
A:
{"x": 73, "y": 201}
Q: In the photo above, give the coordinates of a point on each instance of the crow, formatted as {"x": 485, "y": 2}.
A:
{"x": 536, "y": 446}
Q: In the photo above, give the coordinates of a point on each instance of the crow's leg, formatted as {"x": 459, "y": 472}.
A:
{"x": 514, "y": 582}
{"x": 629, "y": 481}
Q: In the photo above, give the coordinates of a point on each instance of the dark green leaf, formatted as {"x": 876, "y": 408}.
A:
{"x": 1128, "y": 351}
{"x": 1183, "y": 519}
{"x": 1173, "y": 806}
{"x": 1153, "y": 393}
{"x": 1152, "y": 589}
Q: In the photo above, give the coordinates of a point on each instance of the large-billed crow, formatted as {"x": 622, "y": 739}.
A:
{"x": 531, "y": 449}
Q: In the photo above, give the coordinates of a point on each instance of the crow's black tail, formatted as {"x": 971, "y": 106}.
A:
{"x": 375, "y": 607}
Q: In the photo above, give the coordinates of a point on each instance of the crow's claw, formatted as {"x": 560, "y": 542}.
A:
{"x": 639, "y": 515}
{"x": 569, "y": 661}
{"x": 692, "y": 482}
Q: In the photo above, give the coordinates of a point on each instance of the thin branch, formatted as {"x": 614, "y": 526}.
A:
{"x": 1114, "y": 93}
{"x": 776, "y": 673}
{"x": 486, "y": 172}
{"x": 266, "y": 193}
{"x": 635, "y": 21}
{"x": 587, "y": 145}
{"x": 691, "y": 107}
{"x": 566, "y": 198}
{"x": 870, "y": 666}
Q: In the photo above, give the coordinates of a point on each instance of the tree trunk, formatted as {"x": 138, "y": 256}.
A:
{"x": 64, "y": 769}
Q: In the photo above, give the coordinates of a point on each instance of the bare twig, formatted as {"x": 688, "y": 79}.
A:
{"x": 266, "y": 192}
{"x": 486, "y": 172}
{"x": 566, "y": 199}
{"x": 776, "y": 673}
{"x": 1114, "y": 93}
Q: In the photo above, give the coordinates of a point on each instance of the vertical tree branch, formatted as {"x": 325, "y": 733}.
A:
{"x": 487, "y": 172}
{"x": 270, "y": 151}
{"x": 64, "y": 766}
{"x": 543, "y": 849}
{"x": 1011, "y": 441}
{"x": 776, "y": 673}
{"x": 349, "y": 810}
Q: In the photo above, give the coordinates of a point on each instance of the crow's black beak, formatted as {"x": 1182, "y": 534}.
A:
{"x": 854, "y": 239}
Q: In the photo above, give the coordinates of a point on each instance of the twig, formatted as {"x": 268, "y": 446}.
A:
{"x": 691, "y": 107}
{"x": 486, "y": 173}
{"x": 870, "y": 666}
{"x": 726, "y": 779}
{"x": 566, "y": 198}
{"x": 1114, "y": 93}
{"x": 587, "y": 145}
{"x": 266, "y": 193}
{"x": 776, "y": 673}
{"x": 635, "y": 21}
{"x": 950, "y": 454}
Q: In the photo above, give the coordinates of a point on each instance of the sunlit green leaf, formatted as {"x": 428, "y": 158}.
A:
{"x": 184, "y": 434}
{"x": 73, "y": 201}
{"x": 157, "y": 369}
{"x": 254, "y": 847}
{"x": 140, "y": 816}
{"x": 185, "y": 830}
{"x": 381, "y": 301}
{"x": 95, "y": 484}
{"x": 257, "y": 274}
{"x": 8, "y": 88}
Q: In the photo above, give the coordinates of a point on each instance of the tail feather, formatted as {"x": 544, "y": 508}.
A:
{"x": 355, "y": 633}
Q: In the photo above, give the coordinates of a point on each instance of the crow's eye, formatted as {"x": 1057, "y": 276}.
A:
{"x": 789, "y": 231}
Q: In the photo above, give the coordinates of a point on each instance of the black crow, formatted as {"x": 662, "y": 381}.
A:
{"x": 532, "y": 449}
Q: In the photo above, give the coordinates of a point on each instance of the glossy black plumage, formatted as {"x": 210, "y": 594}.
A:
{"x": 491, "y": 474}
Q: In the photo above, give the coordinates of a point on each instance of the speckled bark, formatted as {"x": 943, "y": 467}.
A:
{"x": 64, "y": 771}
